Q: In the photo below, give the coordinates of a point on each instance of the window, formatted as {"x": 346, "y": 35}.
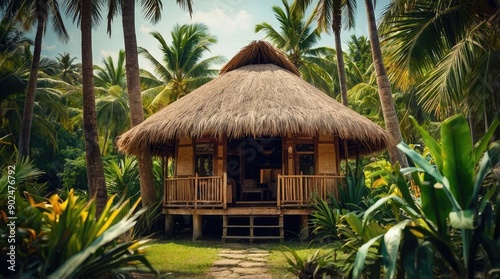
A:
{"x": 204, "y": 158}
{"x": 305, "y": 158}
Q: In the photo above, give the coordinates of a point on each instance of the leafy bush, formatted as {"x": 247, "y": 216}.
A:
{"x": 315, "y": 265}
{"x": 65, "y": 239}
{"x": 449, "y": 230}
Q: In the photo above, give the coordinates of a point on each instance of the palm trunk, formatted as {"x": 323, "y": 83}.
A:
{"x": 95, "y": 170}
{"x": 148, "y": 192}
{"x": 336, "y": 27}
{"x": 29, "y": 100}
{"x": 384, "y": 91}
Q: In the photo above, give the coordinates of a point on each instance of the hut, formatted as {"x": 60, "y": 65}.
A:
{"x": 252, "y": 147}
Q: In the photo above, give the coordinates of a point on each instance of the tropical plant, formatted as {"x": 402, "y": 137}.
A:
{"x": 12, "y": 74}
{"x": 315, "y": 265}
{"x": 456, "y": 238}
{"x": 122, "y": 177}
{"x": 331, "y": 13}
{"x": 152, "y": 10}
{"x": 112, "y": 109}
{"x": 68, "y": 70}
{"x": 29, "y": 13}
{"x": 182, "y": 68}
{"x": 297, "y": 39}
{"x": 384, "y": 89}
{"x": 67, "y": 240}
{"x": 122, "y": 180}
{"x": 87, "y": 14}
{"x": 337, "y": 221}
{"x": 456, "y": 70}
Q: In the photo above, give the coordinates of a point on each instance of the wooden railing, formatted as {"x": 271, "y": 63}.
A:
{"x": 298, "y": 190}
{"x": 213, "y": 191}
{"x": 197, "y": 191}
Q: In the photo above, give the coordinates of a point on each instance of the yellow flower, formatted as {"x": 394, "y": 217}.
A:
{"x": 52, "y": 216}
{"x": 56, "y": 206}
{"x": 34, "y": 204}
{"x": 84, "y": 214}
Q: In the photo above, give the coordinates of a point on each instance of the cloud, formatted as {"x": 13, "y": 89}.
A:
{"x": 145, "y": 29}
{"x": 48, "y": 47}
{"x": 106, "y": 53}
{"x": 221, "y": 21}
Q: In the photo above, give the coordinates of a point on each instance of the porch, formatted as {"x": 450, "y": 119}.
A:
{"x": 213, "y": 196}
{"x": 292, "y": 191}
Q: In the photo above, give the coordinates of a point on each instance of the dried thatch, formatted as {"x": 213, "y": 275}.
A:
{"x": 258, "y": 53}
{"x": 254, "y": 100}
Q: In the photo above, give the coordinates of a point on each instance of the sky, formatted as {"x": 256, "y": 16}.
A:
{"x": 231, "y": 21}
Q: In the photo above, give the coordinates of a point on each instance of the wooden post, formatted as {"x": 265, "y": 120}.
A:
{"x": 304, "y": 227}
{"x": 224, "y": 191}
{"x": 251, "y": 228}
{"x": 282, "y": 228}
{"x": 278, "y": 191}
{"x": 169, "y": 225}
{"x": 195, "y": 191}
{"x": 197, "y": 226}
{"x": 224, "y": 227}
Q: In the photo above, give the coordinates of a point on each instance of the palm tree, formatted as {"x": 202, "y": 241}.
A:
{"x": 12, "y": 45}
{"x": 69, "y": 71}
{"x": 112, "y": 106}
{"x": 384, "y": 90}
{"x": 329, "y": 13}
{"x": 359, "y": 63}
{"x": 182, "y": 68}
{"x": 458, "y": 68}
{"x": 152, "y": 9}
{"x": 31, "y": 12}
{"x": 297, "y": 39}
{"x": 87, "y": 13}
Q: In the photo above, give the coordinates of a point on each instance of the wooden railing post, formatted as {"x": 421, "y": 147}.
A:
{"x": 301, "y": 188}
{"x": 278, "y": 191}
{"x": 224, "y": 190}
{"x": 196, "y": 191}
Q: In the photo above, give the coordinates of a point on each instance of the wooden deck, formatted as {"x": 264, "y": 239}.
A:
{"x": 213, "y": 192}
{"x": 200, "y": 196}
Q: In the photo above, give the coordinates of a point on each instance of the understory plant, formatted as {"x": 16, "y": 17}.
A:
{"x": 337, "y": 221}
{"x": 58, "y": 238}
{"x": 122, "y": 179}
{"x": 448, "y": 228}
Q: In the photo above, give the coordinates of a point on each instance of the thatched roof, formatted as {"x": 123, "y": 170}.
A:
{"x": 252, "y": 100}
{"x": 258, "y": 53}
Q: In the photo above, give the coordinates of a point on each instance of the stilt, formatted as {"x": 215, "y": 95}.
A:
{"x": 197, "y": 227}
{"x": 304, "y": 227}
{"x": 169, "y": 225}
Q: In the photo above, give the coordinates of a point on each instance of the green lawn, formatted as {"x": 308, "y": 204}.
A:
{"x": 192, "y": 259}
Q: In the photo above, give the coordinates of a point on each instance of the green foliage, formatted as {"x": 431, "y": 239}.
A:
{"x": 122, "y": 177}
{"x": 25, "y": 176}
{"x": 182, "y": 67}
{"x": 449, "y": 230}
{"x": 66, "y": 239}
{"x": 122, "y": 180}
{"x": 313, "y": 266}
{"x": 75, "y": 173}
{"x": 339, "y": 220}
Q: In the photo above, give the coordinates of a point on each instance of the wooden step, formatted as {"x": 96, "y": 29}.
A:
{"x": 254, "y": 226}
{"x": 251, "y": 237}
{"x": 251, "y": 226}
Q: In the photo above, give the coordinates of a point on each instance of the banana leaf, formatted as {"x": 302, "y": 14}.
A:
{"x": 458, "y": 158}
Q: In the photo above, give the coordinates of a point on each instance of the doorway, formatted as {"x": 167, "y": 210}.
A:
{"x": 254, "y": 163}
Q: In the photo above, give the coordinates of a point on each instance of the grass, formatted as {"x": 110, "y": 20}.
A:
{"x": 183, "y": 259}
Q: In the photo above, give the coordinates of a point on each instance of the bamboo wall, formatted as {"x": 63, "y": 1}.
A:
{"x": 328, "y": 158}
{"x": 184, "y": 163}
